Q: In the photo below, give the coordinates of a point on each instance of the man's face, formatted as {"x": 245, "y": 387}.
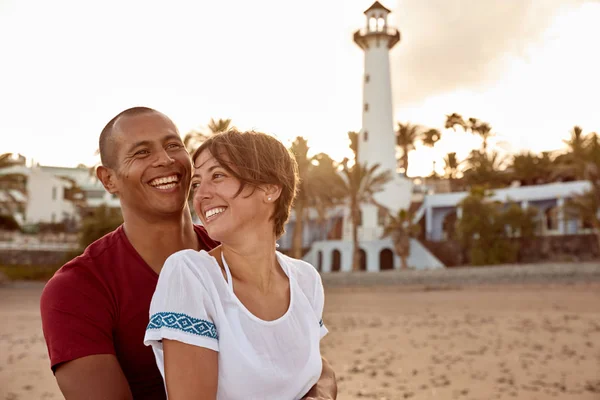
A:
{"x": 153, "y": 168}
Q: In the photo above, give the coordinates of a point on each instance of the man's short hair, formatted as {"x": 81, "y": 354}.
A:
{"x": 107, "y": 153}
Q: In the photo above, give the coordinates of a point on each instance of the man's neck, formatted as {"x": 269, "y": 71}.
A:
{"x": 155, "y": 241}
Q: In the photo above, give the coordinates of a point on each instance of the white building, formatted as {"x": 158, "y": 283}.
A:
{"x": 47, "y": 200}
{"x": 48, "y": 197}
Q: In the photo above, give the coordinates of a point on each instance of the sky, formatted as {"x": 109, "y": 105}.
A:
{"x": 528, "y": 67}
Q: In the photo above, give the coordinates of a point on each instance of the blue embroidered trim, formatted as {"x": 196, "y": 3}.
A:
{"x": 183, "y": 323}
{"x": 321, "y": 323}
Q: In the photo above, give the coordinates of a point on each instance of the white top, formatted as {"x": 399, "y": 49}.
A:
{"x": 258, "y": 359}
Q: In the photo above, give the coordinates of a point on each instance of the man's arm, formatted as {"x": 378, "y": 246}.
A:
{"x": 77, "y": 322}
{"x": 326, "y": 387}
{"x": 97, "y": 377}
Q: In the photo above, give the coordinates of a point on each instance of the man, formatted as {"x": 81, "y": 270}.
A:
{"x": 95, "y": 308}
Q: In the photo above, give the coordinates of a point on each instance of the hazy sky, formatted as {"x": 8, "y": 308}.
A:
{"x": 290, "y": 68}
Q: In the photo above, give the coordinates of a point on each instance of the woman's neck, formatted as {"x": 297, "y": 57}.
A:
{"x": 253, "y": 260}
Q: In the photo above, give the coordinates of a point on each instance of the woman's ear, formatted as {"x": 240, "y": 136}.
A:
{"x": 272, "y": 193}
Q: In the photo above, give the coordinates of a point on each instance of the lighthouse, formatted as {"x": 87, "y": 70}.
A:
{"x": 377, "y": 141}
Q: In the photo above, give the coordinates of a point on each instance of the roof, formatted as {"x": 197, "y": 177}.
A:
{"x": 377, "y": 6}
{"x": 523, "y": 193}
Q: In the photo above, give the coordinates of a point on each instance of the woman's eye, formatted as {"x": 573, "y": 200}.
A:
{"x": 218, "y": 175}
{"x": 195, "y": 185}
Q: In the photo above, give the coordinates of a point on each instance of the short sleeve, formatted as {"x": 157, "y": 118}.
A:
{"x": 182, "y": 308}
{"x": 77, "y": 316}
{"x": 319, "y": 302}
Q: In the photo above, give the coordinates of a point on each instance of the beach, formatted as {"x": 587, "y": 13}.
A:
{"x": 521, "y": 341}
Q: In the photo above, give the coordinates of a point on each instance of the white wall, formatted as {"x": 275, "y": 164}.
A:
{"x": 46, "y": 202}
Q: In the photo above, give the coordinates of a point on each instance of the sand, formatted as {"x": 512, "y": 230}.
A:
{"x": 396, "y": 342}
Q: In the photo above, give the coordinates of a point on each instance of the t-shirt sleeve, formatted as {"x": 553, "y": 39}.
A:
{"x": 182, "y": 308}
{"x": 319, "y": 301}
{"x": 77, "y": 316}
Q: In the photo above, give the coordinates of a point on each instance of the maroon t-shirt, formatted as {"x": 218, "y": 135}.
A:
{"x": 98, "y": 303}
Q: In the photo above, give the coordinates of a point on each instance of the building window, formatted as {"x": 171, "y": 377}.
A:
{"x": 381, "y": 216}
{"x": 365, "y": 136}
{"x": 366, "y": 106}
{"x": 367, "y": 77}
{"x": 54, "y": 193}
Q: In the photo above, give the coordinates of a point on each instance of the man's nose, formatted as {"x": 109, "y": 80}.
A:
{"x": 163, "y": 158}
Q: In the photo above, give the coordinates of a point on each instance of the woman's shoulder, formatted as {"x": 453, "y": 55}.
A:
{"x": 190, "y": 263}
{"x": 305, "y": 273}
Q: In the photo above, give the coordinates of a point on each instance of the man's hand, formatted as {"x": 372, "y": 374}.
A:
{"x": 326, "y": 387}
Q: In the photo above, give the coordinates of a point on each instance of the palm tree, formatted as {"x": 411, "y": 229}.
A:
{"x": 194, "y": 138}
{"x": 324, "y": 185}
{"x": 319, "y": 187}
{"x": 482, "y": 169}
{"x": 353, "y": 137}
{"x": 406, "y": 138}
{"x": 453, "y": 120}
{"x": 430, "y": 137}
{"x": 484, "y": 130}
{"x": 300, "y": 150}
{"x": 451, "y": 165}
{"x": 401, "y": 229}
{"x": 359, "y": 184}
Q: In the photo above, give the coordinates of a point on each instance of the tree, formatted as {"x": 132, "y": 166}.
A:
{"x": 486, "y": 227}
{"x": 102, "y": 221}
{"x": 406, "y": 138}
{"x": 193, "y": 139}
{"x": 451, "y": 164}
{"x": 353, "y": 138}
{"x": 453, "y": 120}
{"x": 324, "y": 183}
{"x": 531, "y": 169}
{"x": 482, "y": 169}
{"x": 300, "y": 150}
{"x": 359, "y": 184}
{"x": 472, "y": 125}
{"x": 401, "y": 229}
{"x": 319, "y": 187}
{"x": 430, "y": 137}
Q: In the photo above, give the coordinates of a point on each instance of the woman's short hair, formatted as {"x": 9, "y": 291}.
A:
{"x": 256, "y": 159}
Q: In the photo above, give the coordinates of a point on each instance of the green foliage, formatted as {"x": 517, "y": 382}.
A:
{"x": 101, "y": 222}
{"x": 487, "y": 226}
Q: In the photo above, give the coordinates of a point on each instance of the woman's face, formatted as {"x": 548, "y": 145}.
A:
{"x": 225, "y": 216}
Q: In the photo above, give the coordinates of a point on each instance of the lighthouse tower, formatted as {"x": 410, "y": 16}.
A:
{"x": 377, "y": 142}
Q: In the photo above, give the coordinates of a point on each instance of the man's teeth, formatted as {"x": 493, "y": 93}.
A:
{"x": 167, "y": 182}
{"x": 214, "y": 211}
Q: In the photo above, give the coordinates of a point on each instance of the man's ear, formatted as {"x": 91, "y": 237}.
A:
{"x": 107, "y": 177}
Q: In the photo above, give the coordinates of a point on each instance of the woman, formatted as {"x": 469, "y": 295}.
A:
{"x": 243, "y": 321}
